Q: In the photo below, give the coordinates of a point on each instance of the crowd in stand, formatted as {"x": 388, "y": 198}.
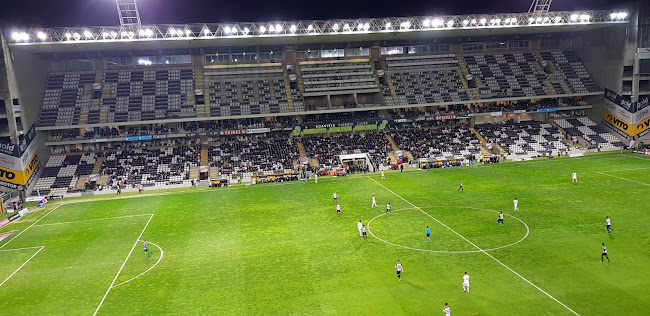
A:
{"x": 327, "y": 148}
{"x": 274, "y": 155}
{"x": 439, "y": 142}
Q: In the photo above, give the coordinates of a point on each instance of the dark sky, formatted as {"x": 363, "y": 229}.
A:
{"x": 39, "y": 13}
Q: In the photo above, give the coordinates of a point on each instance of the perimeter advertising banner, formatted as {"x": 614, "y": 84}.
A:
{"x": 15, "y": 178}
{"x": 627, "y": 128}
{"x": 624, "y": 114}
{"x": 643, "y": 116}
{"x": 17, "y": 156}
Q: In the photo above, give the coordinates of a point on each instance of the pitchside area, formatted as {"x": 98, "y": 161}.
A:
{"x": 281, "y": 249}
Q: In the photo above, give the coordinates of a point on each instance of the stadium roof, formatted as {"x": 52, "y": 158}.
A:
{"x": 293, "y": 32}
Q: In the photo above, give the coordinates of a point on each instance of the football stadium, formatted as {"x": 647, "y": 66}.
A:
{"x": 356, "y": 166}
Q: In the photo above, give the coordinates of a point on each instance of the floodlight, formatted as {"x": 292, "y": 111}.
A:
{"x": 584, "y": 17}
{"x": 483, "y": 20}
{"x": 77, "y": 36}
{"x": 335, "y": 27}
{"x": 123, "y": 34}
{"x": 539, "y": 19}
{"x": 531, "y": 20}
{"x": 246, "y": 30}
{"x": 149, "y": 32}
{"x": 545, "y": 19}
{"x": 187, "y": 32}
{"x": 131, "y": 34}
{"x": 465, "y": 22}
{"x": 497, "y": 21}
{"x": 450, "y": 23}
{"x": 310, "y": 28}
{"x": 366, "y": 26}
{"x": 141, "y": 32}
{"x": 437, "y": 22}
{"x": 68, "y": 35}
{"x": 104, "y": 35}
{"x": 278, "y": 28}
{"x": 172, "y": 31}
{"x": 426, "y": 23}
{"x": 113, "y": 34}
{"x": 15, "y": 36}
{"x": 346, "y": 26}
{"x": 293, "y": 28}
{"x": 558, "y": 19}
{"x": 388, "y": 25}
{"x": 262, "y": 29}
{"x": 227, "y": 29}
{"x": 473, "y": 21}
{"x": 492, "y": 21}
{"x": 574, "y": 17}
{"x": 206, "y": 32}
{"x": 359, "y": 26}
{"x": 622, "y": 15}
{"x": 271, "y": 28}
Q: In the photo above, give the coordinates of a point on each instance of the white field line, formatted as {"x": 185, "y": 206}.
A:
{"x": 21, "y": 248}
{"x": 627, "y": 169}
{"x": 30, "y": 226}
{"x": 123, "y": 264}
{"x": 92, "y": 220}
{"x": 626, "y": 179}
{"x": 637, "y": 157}
{"x": 162, "y": 253}
{"x": 477, "y": 247}
{"x": 449, "y": 251}
{"x": 30, "y": 258}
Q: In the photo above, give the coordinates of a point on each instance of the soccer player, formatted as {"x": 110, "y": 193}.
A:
{"x": 460, "y": 187}
{"x": 574, "y": 178}
{"x": 516, "y": 203}
{"x": 146, "y": 249}
{"x": 338, "y": 209}
{"x": 399, "y": 269}
{"x": 428, "y": 231}
{"x": 382, "y": 175}
{"x": 601, "y": 256}
{"x": 359, "y": 225}
{"x": 363, "y": 230}
{"x": 500, "y": 221}
{"x": 388, "y": 209}
{"x": 447, "y": 310}
{"x": 609, "y": 224}
{"x": 315, "y": 177}
{"x": 466, "y": 283}
{"x": 119, "y": 190}
{"x": 335, "y": 196}
{"x": 374, "y": 201}
{"x": 139, "y": 188}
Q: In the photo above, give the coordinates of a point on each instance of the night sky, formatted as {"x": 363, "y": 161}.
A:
{"x": 39, "y": 13}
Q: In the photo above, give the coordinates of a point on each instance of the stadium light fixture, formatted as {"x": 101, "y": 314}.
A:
{"x": 263, "y": 29}
{"x": 246, "y": 30}
{"x": 188, "y": 32}
{"x": 293, "y": 28}
{"x": 113, "y": 34}
{"x": 436, "y": 23}
{"x": 141, "y": 33}
{"x": 206, "y": 31}
{"x": 67, "y": 36}
{"x": 278, "y": 28}
{"x": 482, "y": 21}
{"x": 558, "y": 19}
{"x": 539, "y": 19}
{"x": 104, "y": 35}
{"x": 88, "y": 34}
{"x": 492, "y": 21}
{"x": 497, "y": 21}
{"x": 574, "y": 17}
{"x": 346, "y": 26}
{"x": 310, "y": 28}
{"x": 227, "y": 30}
{"x": 335, "y": 27}
{"x": 76, "y": 36}
{"x": 584, "y": 17}
{"x": 124, "y": 34}
{"x": 366, "y": 26}
{"x": 20, "y": 36}
{"x": 41, "y": 35}
{"x": 546, "y": 19}
{"x": 131, "y": 34}
{"x": 388, "y": 25}
{"x": 465, "y": 22}
{"x": 473, "y": 21}
{"x": 622, "y": 15}
{"x": 405, "y": 25}
{"x": 426, "y": 23}
{"x": 271, "y": 28}
{"x": 450, "y": 23}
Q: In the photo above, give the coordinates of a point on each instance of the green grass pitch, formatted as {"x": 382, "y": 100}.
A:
{"x": 280, "y": 249}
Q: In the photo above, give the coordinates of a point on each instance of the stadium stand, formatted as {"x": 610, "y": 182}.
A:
{"x": 62, "y": 172}
{"x": 273, "y": 156}
{"x": 439, "y": 144}
{"x": 526, "y": 139}
{"x": 567, "y": 69}
{"x": 593, "y": 134}
{"x": 424, "y": 79}
{"x": 327, "y": 148}
{"x": 323, "y": 77}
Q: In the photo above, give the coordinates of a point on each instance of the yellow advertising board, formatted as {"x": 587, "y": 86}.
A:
{"x": 619, "y": 123}
{"x": 20, "y": 177}
{"x": 643, "y": 126}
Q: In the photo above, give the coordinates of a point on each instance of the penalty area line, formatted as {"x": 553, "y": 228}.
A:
{"x": 30, "y": 258}
{"x": 475, "y": 246}
{"x": 162, "y": 253}
{"x": 626, "y": 179}
{"x": 30, "y": 226}
{"x": 122, "y": 267}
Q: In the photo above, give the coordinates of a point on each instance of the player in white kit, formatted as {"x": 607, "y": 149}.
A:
{"x": 609, "y": 224}
{"x": 500, "y": 220}
{"x": 398, "y": 268}
{"x": 374, "y": 201}
{"x": 516, "y": 203}
{"x": 338, "y": 209}
{"x": 466, "y": 283}
{"x": 602, "y": 255}
{"x": 388, "y": 211}
{"x": 359, "y": 225}
{"x": 447, "y": 310}
{"x": 574, "y": 178}
{"x": 382, "y": 175}
{"x": 335, "y": 196}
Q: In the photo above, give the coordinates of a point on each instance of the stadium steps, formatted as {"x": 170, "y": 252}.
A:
{"x": 199, "y": 80}
{"x": 392, "y": 158}
{"x": 392, "y": 143}
{"x": 500, "y": 149}
{"x": 301, "y": 150}
{"x": 301, "y": 86}
{"x": 98, "y": 165}
{"x": 194, "y": 173}
{"x": 314, "y": 163}
{"x": 287, "y": 89}
{"x": 204, "y": 156}
{"x": 81, "y": 183}
{"x": 552, "y": 122}
{"x": 103, "y": 180}
{"x": 485, "y": 152}
{"x": 472, "y": 93}
{"x": 550, "y": 77}
{"x": 374, "y": 74}
{"x": 409, "y": 155}
{"x": 83, "y": 116}
{"x": 213, "y": 172}
{"x": 475, "y": 132}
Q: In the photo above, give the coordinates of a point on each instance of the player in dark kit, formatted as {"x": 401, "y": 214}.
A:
{"x": 388, "y": 211}
{"x": 460, "y": 187}
{"x": 146, "y": 250}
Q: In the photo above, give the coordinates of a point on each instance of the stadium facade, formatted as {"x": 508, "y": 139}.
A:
{"x": 58, "y": 87}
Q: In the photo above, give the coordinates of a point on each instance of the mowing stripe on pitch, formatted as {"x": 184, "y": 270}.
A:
{"x": 123, "y": 264}
{"x": 477, "y": 247}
